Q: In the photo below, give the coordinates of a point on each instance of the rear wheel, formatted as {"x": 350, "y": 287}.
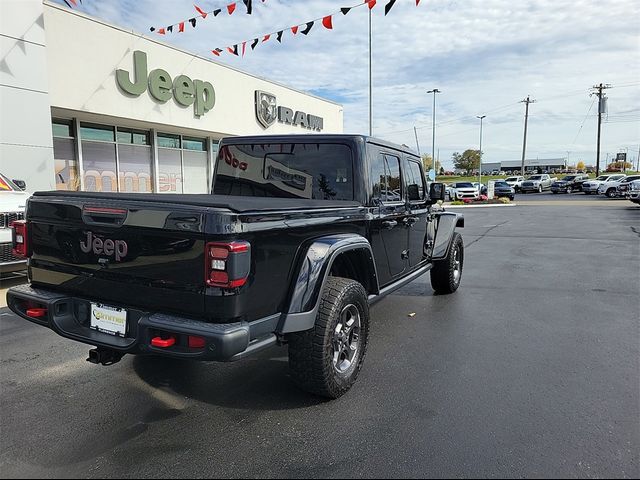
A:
{"x": 611, "y": 192}
{"x": 327, "y": 359}
{"x": 569, "y": 189}
{"x": 447, "y": 273}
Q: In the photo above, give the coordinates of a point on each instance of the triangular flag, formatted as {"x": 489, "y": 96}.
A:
{"x": 216, "y": 52}
{"x": 279, "y": 38}
{"x": 68, "y": 4}
{"x": 371, "y": 3}
{"x": 170, "y": 28}
{"x": 233, "y": 50}
{"x": 75, "y": 4}
{"x": 417, "y": 2}
{"x": 153, "y": 29}
{"x": 345, "y": 10}
{"x": 326, "y": 21}
{"x": 254, "y": 43}
{"x": 231, "y": 8}
{"x": 161, "y": 31}
{"x": 389, "y": 6}
{"x": 294, "y": 29}
{"x": 192, "y": 21}
{"x": 266, "y": 37}
{"x": 181, "y": 27}
{"x": 307, "y": 28}
{"x": 248, "y": 5}
{"x": 216, "y": 12}
{"x": 200, "y": 11}
{"x": 244, "y": 48}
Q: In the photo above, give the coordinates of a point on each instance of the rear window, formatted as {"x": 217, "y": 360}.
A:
{"x": 288, "y": 170}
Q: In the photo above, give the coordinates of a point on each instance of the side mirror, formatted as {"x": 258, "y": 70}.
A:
{"x": 21, "y": 184}
{"x": 437, "y": 192}
{"x": 414, "y": 192}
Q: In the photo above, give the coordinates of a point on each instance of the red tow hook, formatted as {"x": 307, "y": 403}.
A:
{"x": 163, "y": 342}
{"x": 36, "y": 312}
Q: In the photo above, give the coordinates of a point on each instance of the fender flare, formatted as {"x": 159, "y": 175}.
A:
{"x": 312, "y": 274}
{"x": 445, "y": 228}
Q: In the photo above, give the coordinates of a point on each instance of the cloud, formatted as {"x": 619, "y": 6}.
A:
{"x": 485, "y": 56}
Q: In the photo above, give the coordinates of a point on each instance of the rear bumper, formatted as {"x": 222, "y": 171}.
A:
{"x": 69, "y": 317}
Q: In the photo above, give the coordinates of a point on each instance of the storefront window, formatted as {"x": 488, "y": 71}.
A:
{"x": 96, "y": 132}
{"x": 135, "y": 168}
{"x": 64, "y": 153}
{"x": 136, "y": 137}
{"x": 168, "y": 141}
{"x": 99, "y": 162}
{"x": 182, "y": 170}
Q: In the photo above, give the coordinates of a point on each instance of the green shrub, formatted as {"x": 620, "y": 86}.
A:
{"x": 504, "y": 200}
{"x": 458, "y": 202}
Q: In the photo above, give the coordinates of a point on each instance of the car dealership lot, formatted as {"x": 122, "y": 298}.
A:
{"x": 530, "y": 369}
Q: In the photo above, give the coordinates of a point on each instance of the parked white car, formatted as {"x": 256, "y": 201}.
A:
{"x": 13, "y": 201}
{"x": 462, "y": 190}
{"x": 610, "y": 188}
{"x": 633, "y": 194}
{"x": 591, "y": 186}
{"x": 515, "y": 182}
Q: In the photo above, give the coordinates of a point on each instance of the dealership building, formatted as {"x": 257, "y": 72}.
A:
{"x": 530, "y": 165}
{"x": 86, "y": 105}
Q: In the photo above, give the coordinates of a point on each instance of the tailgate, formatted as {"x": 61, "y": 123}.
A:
{"x": 124, "y": 253}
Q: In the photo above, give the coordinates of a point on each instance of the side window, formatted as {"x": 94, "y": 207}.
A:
{"x": 385, "y": 173}
{"x": 415, "y": 179}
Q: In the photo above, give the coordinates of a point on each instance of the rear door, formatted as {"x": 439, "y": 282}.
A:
{"x": 120, "y": 252}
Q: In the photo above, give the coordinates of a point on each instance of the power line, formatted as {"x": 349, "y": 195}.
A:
{"x": 583, "y": 122}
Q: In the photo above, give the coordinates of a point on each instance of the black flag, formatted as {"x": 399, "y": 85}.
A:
{"x": 153, "y": 29}
{"x": 216, "y": 12}
{"x": 192, "y": 21}
{"x": 345, "y": 10}
{"x": 254, "y": 43}
{"x": 280, "y": 36}
{"x": 308, "y": 28}
{"x": 170, "y": 28}
{"x": 248, "y": 5}
{"x": 389, "y": 6}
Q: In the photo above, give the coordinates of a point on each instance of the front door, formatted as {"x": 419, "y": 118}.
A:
{"x": 416, "y": 221}
{"x": 388, "y": 229}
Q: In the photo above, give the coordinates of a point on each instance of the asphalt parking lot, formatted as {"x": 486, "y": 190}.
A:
{"x": 530, "y": 369}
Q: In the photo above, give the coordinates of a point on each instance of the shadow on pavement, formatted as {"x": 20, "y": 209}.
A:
{"x": 261, "y": 382}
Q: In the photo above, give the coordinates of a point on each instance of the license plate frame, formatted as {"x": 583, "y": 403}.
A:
{"x": 108, "y": 319}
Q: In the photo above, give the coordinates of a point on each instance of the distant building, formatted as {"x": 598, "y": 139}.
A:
{"x": 530, "y": 165}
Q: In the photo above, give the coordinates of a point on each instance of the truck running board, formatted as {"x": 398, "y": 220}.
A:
{"x": 399, "y": 284}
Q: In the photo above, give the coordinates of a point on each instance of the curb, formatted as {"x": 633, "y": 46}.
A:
{"x": 482, "y": 206}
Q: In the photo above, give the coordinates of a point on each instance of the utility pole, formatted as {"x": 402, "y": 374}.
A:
{"x": 480, "y": 166}
{"x": 638, "y": 167}
{"x": 433, "y": 134}
{"x": 601, "y": 107}
{"x": 526, "y": 101}
{"x": 417, "y": 144}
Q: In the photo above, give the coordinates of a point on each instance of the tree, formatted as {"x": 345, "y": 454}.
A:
{"x": 580, "y": 165}
{"x": 427, "y": 162}
{"x": 469, "y": 160}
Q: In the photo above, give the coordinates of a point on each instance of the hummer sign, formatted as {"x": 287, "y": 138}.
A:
{"x": 185, "y": 91}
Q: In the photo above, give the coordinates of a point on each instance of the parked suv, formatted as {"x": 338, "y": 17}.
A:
{"x": 462, "y": 190}
{"x": 537, "y": 183}
{"x": 633, "y": 193}
{"x": 12, "y": 204}
{"x": 591, "y": 186}
{"x": 610, "y": 187}
{"x": 515, "y": 182}
{"x": 300, "y": 234}
{"x": 569, "y": 184}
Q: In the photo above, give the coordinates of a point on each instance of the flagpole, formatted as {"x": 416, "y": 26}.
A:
{"x": 370, "y": 88}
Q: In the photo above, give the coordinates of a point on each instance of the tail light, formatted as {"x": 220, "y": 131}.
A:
{"x": 20, "y": 238}
{"x": 227, "y": 264}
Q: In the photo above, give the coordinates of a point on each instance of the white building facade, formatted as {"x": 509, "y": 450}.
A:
{"x": 85, "y": 105}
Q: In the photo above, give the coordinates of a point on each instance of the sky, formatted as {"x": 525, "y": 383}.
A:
{"x": 485, "y": 56}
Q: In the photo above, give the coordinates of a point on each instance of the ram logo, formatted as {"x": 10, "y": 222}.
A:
{"x": 266, "y": 108}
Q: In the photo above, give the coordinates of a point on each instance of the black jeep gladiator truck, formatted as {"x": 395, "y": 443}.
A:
{"x": 300, "y": 234}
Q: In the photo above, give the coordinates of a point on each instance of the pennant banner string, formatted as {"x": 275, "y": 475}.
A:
{"x": 325, "y": 19}
{"x": 230, "y": 8}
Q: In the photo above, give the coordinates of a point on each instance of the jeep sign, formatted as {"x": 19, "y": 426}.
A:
{"x": 185, "y": 91}
{"x": 267, "y": 112}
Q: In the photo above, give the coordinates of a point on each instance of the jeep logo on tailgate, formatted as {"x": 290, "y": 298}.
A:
{"x": 107, "y": 247}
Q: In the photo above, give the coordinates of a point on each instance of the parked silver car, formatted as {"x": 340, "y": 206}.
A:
{"x": 633, "y": 194}
{"x": 591, "y": 186}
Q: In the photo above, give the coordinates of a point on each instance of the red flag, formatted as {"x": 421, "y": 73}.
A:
{"x": 215, "y": 52}
{"x": 200, "y": 11}
{"x": 75, "y": 4}
{"x": 417, "y": 2}
{"x": 266, "y": 37}
{"x": 371, "y": 3}
{"x": 294, "y": 29}
{"x": 181, "y": 27}
{"x": 326, "y": 21}
{"x": 161, "y": 31}
{"x": 231, "y": 8}
{"x": 244, "y": 48}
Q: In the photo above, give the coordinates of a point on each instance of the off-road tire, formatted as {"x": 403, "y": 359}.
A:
{"x": 443, "y": 273}
{"x": 311, "y": 352}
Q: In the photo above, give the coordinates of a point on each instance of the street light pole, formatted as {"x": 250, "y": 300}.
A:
{"x": 433, "y": 134}
{"x": 480, "y": 166}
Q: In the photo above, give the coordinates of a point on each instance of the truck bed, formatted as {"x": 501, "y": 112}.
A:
{"x": 238, "y": 204}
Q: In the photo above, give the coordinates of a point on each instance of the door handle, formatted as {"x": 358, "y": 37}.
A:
{"x": 410, "y": 221}
{"x": 389, "y": 224}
